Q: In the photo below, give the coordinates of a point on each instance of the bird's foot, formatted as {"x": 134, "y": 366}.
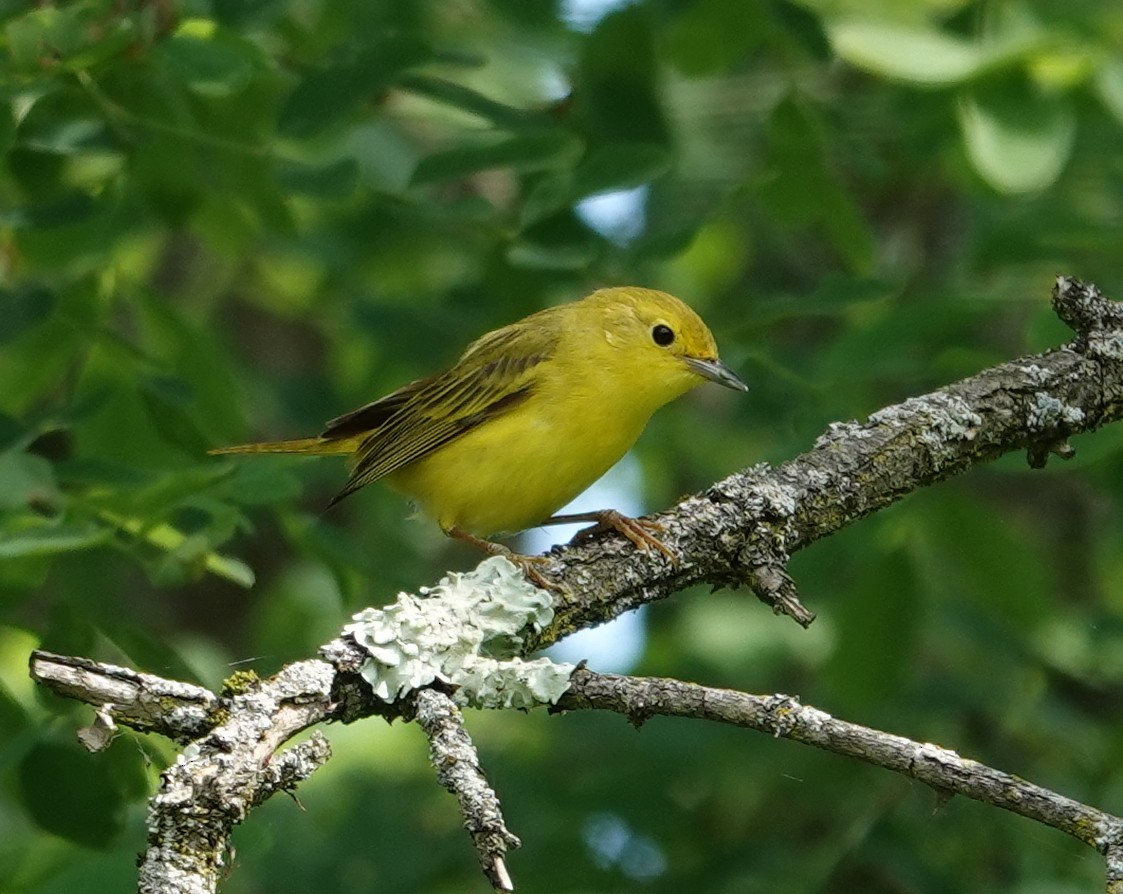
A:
{"x": 640, "y": 531}
{"x": 529, "y": 565}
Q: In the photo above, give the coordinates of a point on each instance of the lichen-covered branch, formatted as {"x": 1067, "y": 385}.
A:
{"x": 782, "y": 716}
{"x": 221, "y": 776}
{"x": 231, "y": 765}
{"x": 144, "y": 702}
{"x": 468, "y": 632}
{"x": 742, "y": 529}
{"x": 458, "y": 769}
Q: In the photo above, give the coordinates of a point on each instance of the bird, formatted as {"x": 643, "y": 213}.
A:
{"x": 527, "y": 418}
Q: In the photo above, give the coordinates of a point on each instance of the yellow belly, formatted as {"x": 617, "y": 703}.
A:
{"x": 514, "y": 471}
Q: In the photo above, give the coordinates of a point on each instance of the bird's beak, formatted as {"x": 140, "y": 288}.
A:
{"x": 716, "y": 371}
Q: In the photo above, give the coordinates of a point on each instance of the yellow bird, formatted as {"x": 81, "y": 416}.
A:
{"x": 528, "y": 417}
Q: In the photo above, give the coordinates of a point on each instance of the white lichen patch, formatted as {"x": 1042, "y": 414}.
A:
{"x": 1048, "y": 413}
{"x": 775, "y": 499}
{"x": 1036, "y": 375}
{"x": 1107, "y": 344}
{"x": 841, "y": 431}
{"x": 465, "y": 632}
{"x": 818, "y": 479}
{"x": 950, "y": 418}
{"x": 938, "y": 754}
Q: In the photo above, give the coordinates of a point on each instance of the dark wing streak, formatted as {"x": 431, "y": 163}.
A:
{"x": 431, "y": 391}
{"x": 371, "y": 416}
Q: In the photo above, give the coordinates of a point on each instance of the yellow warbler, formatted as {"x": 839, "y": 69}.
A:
{"x": 529, "y": 416}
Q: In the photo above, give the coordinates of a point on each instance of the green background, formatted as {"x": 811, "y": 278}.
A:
{"x": 231, "y": 220}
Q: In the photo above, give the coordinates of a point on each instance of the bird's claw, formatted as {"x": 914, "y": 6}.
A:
{"x": 640, "y": 531}
{"x": 528, "y": 566}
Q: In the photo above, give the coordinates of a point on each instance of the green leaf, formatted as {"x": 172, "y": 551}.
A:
{"x": 334, "y": 180}
{"x": 552, "y": 193}
{"x": 30, "y": 38}
{"x": 261, "y": 483}
{"x": 1017, "y": 141}
{"x": 72, "y": 793}
{"x": 23, "y": 307}
{"x": 25, "y": 480}
{"x": 1109, "y": 86}
{"x": 925, "y": 56}
{"x": 169, "y": 402}
{"x": 557, "y": 256}
{"x": 49, "y": 538}
{"x": 905, "y": 53}
{"x": 207, "y": 66}
{"x": 330, "y": 92}
{"x": 620, "y": 166}
{"x": 183, "y": 556}
{"x": 173, "y": 488}
{"x": 710, "y": 35}
{"x": 72, "y": 36}
{"x": 615, "y": 89}
{"x": 468, "y": 100}
{"x": 63, "y": 134}
{"x": 11, "y": 431}
{"x": 613, "y": 167}
{"x": 532, "y": 152}
{"x": 67, "y": 211}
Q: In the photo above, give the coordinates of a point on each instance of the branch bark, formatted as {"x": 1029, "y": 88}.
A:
{"x": 741, "y": 530}
{"x": 458, "y": 769}
{"x": 783, "y": 716}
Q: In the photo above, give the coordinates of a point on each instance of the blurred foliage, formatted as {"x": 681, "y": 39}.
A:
{"x": 228, "y": 220}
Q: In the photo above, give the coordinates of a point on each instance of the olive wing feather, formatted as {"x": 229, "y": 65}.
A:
{"x": 495, "y": 375}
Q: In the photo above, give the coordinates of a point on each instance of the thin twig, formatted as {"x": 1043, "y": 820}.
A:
{"x": 144, "y": 702}
{"x": 639, "y": 698}
{"x": 454, "y": 756}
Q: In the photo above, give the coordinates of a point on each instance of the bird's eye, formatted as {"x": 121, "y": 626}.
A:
{"x": 662, "y": 335}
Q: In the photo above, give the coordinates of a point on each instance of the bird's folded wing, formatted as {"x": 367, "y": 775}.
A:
{"x": 492, "y": 377}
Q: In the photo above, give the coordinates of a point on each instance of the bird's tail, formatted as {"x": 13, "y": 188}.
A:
{"x": 311, "y": 446}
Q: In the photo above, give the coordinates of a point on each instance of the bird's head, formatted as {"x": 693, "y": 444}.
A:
{"x": 660, "y": 341}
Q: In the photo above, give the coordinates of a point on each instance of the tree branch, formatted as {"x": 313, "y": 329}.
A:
{"x": 783, "y": 716}
{"x": 222, "y": 775}
{"x": 230, "y": 766}
{"x": 454, "y": 757}
{"x": 144, "y": 702}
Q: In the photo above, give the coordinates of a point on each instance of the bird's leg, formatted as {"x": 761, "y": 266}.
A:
{"x": 640, "y": 531}
{"x": 525, "y": 563}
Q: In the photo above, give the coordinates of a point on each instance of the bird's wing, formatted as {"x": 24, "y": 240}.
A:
{"x": 495, "y": 375}
{"x": 373, "y": 415}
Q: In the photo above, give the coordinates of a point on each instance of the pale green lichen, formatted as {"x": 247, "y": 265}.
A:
{"x": 465, "y": 631}
{"x": 1048, "y": 412}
